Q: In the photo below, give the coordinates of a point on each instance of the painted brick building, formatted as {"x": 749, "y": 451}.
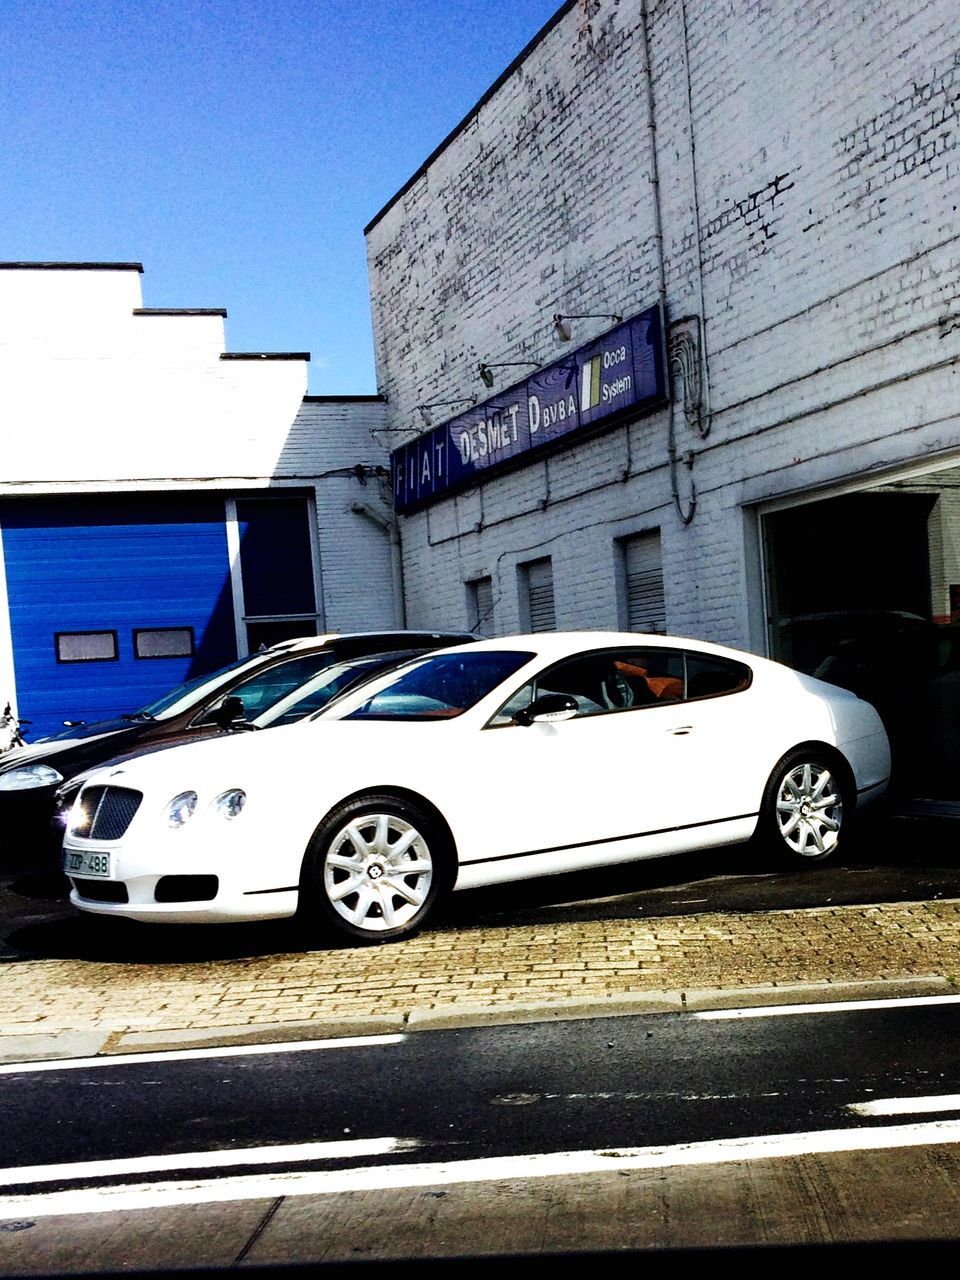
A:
{"x": 783, "y": 182}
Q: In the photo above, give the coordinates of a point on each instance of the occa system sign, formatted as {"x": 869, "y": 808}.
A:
{"x": 619, "y": 372}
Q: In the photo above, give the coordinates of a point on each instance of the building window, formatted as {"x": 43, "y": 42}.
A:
{"x": 163, "y": 642}
{"x": 536, "y": 595}
{"x": 480, "y": 606}
{"x": 86, "y": 646}
{"x": 643, "y": 607}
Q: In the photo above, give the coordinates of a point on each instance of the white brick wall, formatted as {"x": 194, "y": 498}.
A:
{"x": 327, "y": 439}
{"x": 91, "y": 392}
{"x": 807, "y": 160}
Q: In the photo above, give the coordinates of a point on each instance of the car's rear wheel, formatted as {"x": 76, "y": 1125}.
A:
{"x": 375, "y": 870}
{"x": 807, "y": 807}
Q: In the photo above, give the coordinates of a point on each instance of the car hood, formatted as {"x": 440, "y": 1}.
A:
{"x": 95, "y": 729}
{"x": 72, "y": 785}
{"x": 307, "y": 751}
{"x": 56, "y": 746}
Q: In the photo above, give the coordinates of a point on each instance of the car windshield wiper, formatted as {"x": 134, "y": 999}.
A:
{"x": 137, "y": 715}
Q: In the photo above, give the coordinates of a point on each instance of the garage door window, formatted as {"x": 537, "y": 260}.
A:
{"x": 163, "y": 642}
{"x": 86, "y": 646}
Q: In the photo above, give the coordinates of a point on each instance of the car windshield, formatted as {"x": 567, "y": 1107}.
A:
{"x": 315, "y": 694}
{"x": 267, "y": 688}
{"x": 184, "y": 695}
{"x": 440, "y": 687}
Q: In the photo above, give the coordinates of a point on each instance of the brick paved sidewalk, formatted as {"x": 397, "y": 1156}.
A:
{"x": 54, "y": 1008}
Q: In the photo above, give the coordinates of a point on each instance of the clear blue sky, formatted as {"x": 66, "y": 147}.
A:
{"x": 237, "y": 148}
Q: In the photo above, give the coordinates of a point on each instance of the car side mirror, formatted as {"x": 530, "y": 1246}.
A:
{"x": 227, "y": 713}
{"x": 548, "y": 708}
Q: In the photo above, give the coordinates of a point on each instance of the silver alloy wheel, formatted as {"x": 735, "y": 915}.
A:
{"x": 809, "y": 809}
{"x": 378, "y": 872}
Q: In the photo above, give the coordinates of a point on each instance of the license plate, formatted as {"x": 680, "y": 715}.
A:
{"x": 93, "y": 865}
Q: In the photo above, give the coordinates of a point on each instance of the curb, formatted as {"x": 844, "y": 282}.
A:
{"x": 102, "y": 1041}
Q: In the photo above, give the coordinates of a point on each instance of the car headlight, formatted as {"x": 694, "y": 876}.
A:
{"x": 181, "y": 809}
{"x": 231, "y": 803}
{"x": 29, "y": 776}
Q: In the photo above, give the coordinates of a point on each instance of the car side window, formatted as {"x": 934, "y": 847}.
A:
{"x": 707, "y": 676}
{"x": 262, "y": 689}
{"x": 644, "y": 677}
{"x": 610, "y": 680}
{"x": 522, "y": 698}
{"x": 584, "y": 679}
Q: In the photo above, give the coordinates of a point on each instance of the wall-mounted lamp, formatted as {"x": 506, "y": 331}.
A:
{"x": 363, "y": 470}
{"x": 563, "y": 330}
{"x": 427, "y": 416}
{"x": 486, "y": 370}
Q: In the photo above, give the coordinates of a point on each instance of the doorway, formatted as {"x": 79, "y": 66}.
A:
{"x": 863, "y": 590}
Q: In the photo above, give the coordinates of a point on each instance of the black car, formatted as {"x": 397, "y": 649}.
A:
{"x": 234, "y": 697}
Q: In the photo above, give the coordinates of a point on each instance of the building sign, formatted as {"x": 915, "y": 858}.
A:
{"x": 621, "y": 371}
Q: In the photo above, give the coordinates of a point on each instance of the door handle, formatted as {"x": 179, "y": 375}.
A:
{"x": 681, "y": 729}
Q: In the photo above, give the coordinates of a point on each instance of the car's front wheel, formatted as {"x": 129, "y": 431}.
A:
{"x": 806, "y": 810}
{"x": 375, "y": 870}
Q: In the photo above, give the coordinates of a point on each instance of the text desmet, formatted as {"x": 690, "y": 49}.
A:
{"x": 497, "y": 431}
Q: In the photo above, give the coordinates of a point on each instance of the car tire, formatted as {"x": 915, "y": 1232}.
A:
{"x": 375, "y": 870}
{"x": 807, "y": 807}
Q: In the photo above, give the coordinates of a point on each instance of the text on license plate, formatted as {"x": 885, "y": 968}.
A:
{"x": 87, "y": 864}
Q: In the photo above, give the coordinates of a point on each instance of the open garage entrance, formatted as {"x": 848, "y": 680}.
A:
{"x": 863, "y": 589}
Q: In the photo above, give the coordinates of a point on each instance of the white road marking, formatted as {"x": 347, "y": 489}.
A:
{"x": 836, "y": 1006}
{"x": 185, "y": 1055}
{"x": 906, "y": 1106}
{"x": 286, "y": 1154}
{"x": 406, "y": 1176}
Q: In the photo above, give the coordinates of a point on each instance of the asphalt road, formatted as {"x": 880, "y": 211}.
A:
{"x": 813, "y": 1127}
{"x": 483, "y": 1092}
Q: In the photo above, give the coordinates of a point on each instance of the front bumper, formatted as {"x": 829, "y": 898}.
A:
{"x": 183, "y": 884}
{"x": 224, "y": 909}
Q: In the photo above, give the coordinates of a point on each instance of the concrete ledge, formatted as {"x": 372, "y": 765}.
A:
{"x": 818, "y": 992}
{"x": 464, "y": 1015}
{"x": 262, "y": 1033}
{"x": 42, "y": 1046}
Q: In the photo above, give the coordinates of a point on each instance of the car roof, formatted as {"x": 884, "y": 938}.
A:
{"x": 399, "y": 639}
{"x": 560, "y": 643}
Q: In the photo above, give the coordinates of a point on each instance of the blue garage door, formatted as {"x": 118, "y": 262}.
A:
{"x": 113, "y": 601}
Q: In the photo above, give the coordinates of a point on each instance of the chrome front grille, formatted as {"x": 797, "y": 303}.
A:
{"x": 104, "y": 813}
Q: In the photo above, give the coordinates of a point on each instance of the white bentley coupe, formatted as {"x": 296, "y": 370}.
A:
{"x": 497, "y": 761}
